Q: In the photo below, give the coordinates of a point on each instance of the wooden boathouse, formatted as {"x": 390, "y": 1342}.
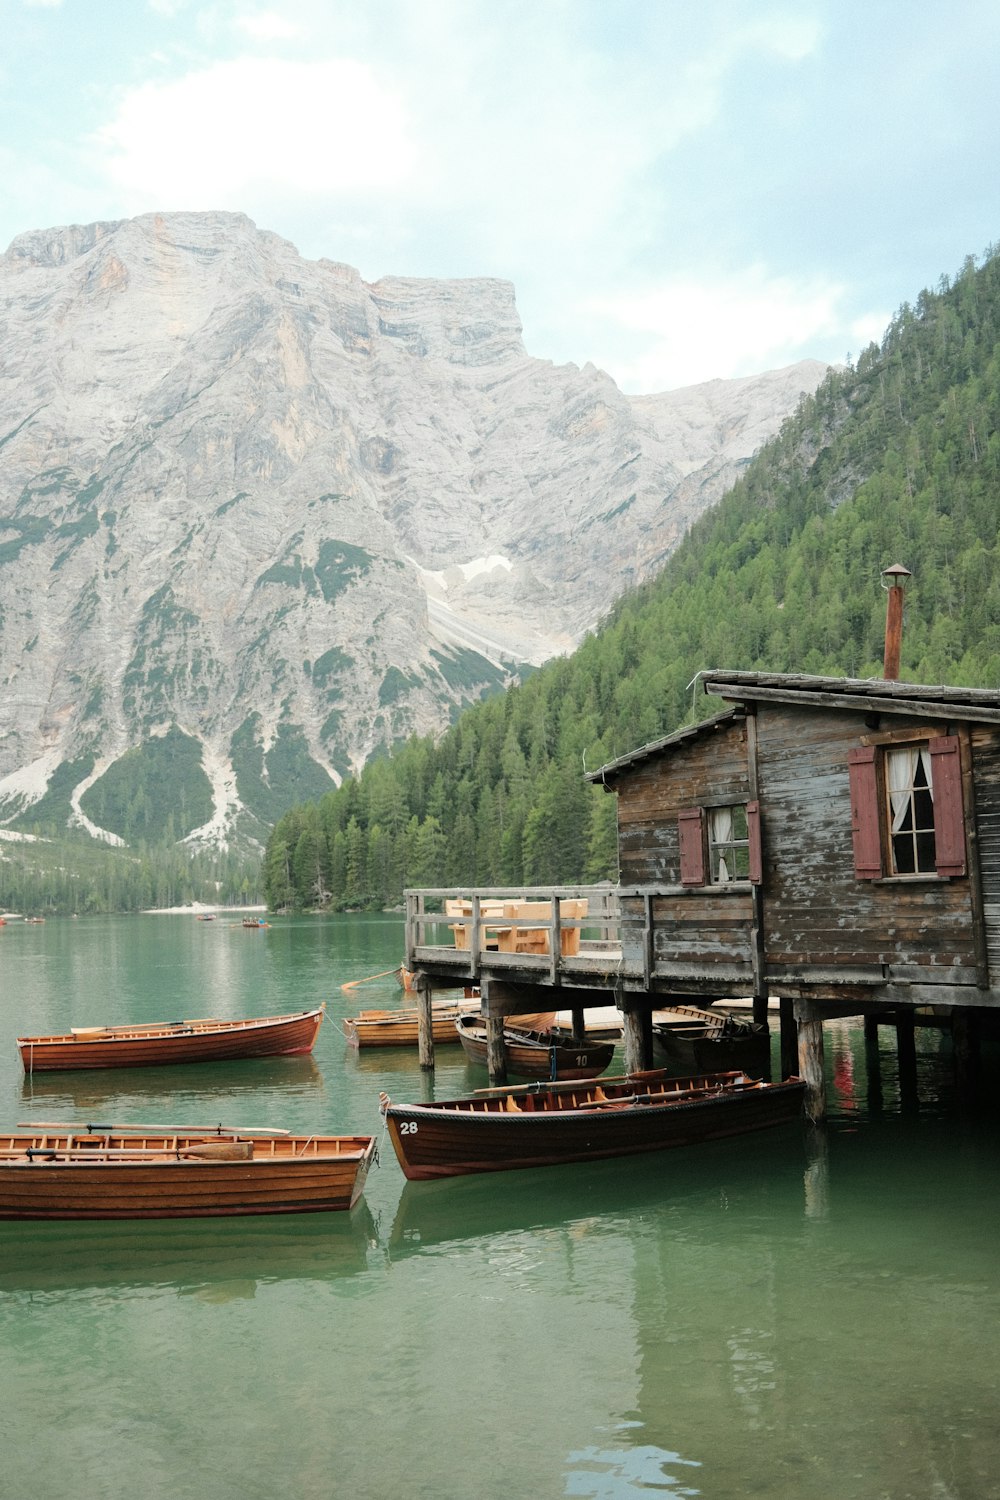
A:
{"x": 833, "y": 843}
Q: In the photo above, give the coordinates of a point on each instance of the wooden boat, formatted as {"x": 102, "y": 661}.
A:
{"x": 130, "y": 1172}
{"x": 542, "y": 1125}
{"x": 537, "y": 1051}
{"x": 702, "y": 1041}
{"x": 254, "y": 922}
{"x": 154, "y": 1043}
{"x": 398, "y": 1028}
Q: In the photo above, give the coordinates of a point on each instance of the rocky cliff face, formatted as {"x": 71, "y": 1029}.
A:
{"x": 297, "y": 517}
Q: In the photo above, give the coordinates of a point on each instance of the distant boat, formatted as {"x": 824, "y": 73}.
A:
{"x": 537, "y": 1051}
{"x": 255, "y": 922}
{"x": 543, "y": 1125}
{"x": 157, "y": 1042}
{"x": 206, "y": 916}
{"x": 128, "y": 1172}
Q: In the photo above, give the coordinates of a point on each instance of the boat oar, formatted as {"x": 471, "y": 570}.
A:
{"x": 352, "y": 984}
{"x": 74, "y": 1126}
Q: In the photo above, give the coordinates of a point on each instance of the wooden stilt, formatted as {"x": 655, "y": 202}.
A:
{"x": 789, "y": 1039}
{"x": 646, "y": 1017}
{"x": 579, "y": 1022}
{"x": 811, "y": 1066}
{"x": 873, "y": 1064}
{"x": 425, "y": 1029}
{"x": 496, "y": 1050}
{"x": 906, "y": 1048}
{"x": 965, "y": 1045}
{"x": 760, "y": 1010}
{"x": 633, "y": 1038}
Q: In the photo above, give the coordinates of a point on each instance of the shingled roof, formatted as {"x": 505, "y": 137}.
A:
{"x": 680, "y": 737}
{"x": 871, "y": 694}
{"x": 860, "y": 694}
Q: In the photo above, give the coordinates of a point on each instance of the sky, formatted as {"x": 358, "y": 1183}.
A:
{"x": 679, "y": 190}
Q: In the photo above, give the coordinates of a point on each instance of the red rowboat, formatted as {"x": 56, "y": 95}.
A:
{"x": 157, "y": 1042}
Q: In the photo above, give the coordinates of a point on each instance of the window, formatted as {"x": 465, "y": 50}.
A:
{"x": 728, "y": 844}
{"x": 907, "y": 814}
{"x": 911, "y": 811}
{"x": 720, "y": 844}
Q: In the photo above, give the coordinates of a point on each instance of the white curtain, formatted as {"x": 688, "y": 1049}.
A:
{"x": 720, "y": 832}
{"x": 902, "y": 769}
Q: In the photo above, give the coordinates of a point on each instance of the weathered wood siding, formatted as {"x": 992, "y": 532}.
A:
{"x": 824, "y": 929}
{"x": 651, "y": 797}
{"x": 986, "y": 765}
{"x": 693, "y": 945}
{"x": 819, "y": 918}
{"x": 699, "y": 940}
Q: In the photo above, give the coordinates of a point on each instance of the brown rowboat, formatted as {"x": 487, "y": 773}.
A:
{"x": 398, "y": 1028}
{"x": 158, "y": 1042}
{"x": 702, "y": 1041}
{"x": 537, "y": 1051}
{"x": 542, "y": 1125}
{"x": 130, "y": 1173}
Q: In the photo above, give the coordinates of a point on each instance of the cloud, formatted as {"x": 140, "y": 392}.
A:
{"x": 687, "y": 331}
{"x": 267, "y": 26}
{"x": 219, "y": 135}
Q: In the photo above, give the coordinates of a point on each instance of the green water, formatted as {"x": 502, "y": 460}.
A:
{"x": 786, "y": 1316}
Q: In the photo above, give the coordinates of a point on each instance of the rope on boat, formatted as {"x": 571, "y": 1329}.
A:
{"x": 376, "y": 1161}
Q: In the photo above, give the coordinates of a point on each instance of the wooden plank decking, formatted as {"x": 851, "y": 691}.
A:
{"x": 540, "y": 936}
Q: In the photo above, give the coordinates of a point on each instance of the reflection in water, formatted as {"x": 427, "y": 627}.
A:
{"x": 201, "y": 1256}
{"x": 612, "y": 1473}
{"x": 94, "y": 1091}
{"x": 758, "y": 1176}
{"x": 817, "y": 1173}
{"x": 797, "y": 1316}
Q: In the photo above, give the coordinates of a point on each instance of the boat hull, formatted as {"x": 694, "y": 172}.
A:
{"x": 399, "y": 1028}
{"x": 330, "y": 1177}
{"x": 538, "y": 1054}
{"x": 433, "y": 1141}
{"x": 705, "y": 1051}
{"x": 165, "y": 1043}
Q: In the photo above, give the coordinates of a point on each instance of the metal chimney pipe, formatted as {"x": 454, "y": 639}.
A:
{"x": 897, "y": 576}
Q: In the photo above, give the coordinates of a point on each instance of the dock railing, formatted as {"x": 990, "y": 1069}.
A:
{"x": 458, "y": 930}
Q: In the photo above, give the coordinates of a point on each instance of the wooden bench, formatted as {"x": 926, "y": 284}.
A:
{"x": 525, "y": 939}
{"x": 461, "y": 930}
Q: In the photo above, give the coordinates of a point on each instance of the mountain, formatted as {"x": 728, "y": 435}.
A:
{"x": 260, "y": 520}
{"x": 893, "y": 460}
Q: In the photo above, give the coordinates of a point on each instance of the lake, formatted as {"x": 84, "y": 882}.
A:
{"x": 797, "y": 1315}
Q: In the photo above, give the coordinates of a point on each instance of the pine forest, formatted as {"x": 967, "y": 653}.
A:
{"x": 895, "y": 459}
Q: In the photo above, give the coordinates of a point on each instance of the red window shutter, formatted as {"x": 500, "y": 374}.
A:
{"x": 949, "y": 817}
{"x": 691, "y": 837}
{"x": 865, "y": 819}
{"x": 753, "y": 830}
